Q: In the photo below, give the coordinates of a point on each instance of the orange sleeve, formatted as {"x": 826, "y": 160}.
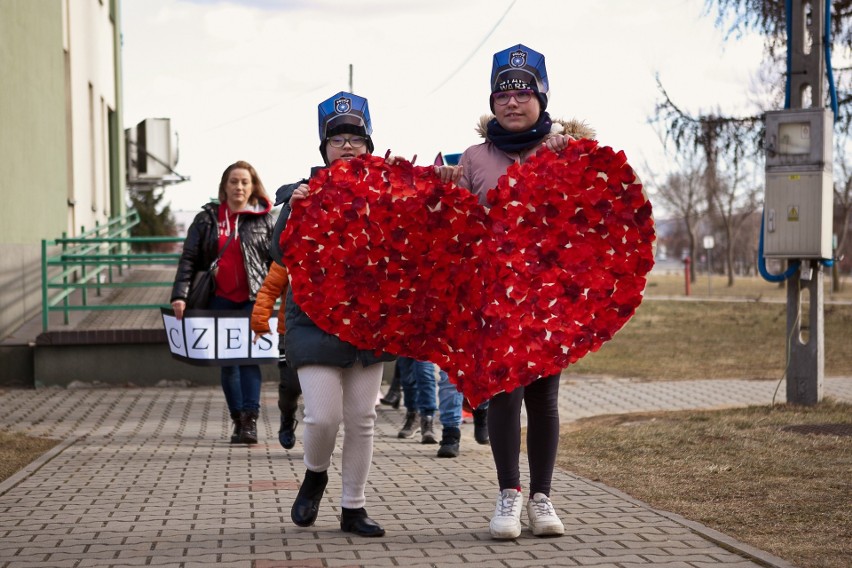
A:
{"x": 274, "y": 285}
{"x": 282, "y": 325}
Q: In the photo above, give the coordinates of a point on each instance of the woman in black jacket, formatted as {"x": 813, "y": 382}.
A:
{"x": 239, "y": 227}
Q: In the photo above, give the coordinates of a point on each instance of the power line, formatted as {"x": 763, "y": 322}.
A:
{"x": 469, "y": 57}
{"x": 285, "y": 100}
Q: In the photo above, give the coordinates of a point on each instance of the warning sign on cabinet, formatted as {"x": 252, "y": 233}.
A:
{"x": 792, "y": 213}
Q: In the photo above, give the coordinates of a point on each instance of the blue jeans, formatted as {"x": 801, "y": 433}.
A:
{"x": 418, "y": 387}
{"x": 241, "y": 383}
{"x": 449, "y": 402}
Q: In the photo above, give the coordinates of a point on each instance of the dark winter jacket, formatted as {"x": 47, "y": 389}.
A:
{"x": 307, "y": 344}
{"x": 200, "y": 248}
{"x": 304, "y": 342}
{"x": 282, "y": 196}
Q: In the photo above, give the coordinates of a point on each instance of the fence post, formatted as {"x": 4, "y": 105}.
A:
{"x": 45, "y": 309}
{"x": 65, "y": 301}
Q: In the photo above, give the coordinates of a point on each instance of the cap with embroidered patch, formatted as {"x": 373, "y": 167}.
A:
{"x": 520, "y": 67}
{"x": 344, "y": 112}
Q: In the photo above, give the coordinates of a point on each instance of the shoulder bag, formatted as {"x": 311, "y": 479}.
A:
{"x": 204, "y": 283}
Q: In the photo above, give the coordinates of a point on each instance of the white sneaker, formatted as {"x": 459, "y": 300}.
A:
{"x": 506, "y": 522}
{"x": 543, "y": 519}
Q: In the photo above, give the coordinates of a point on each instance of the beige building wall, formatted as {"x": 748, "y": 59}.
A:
{"x": 61, "y": 135}
{"x": 88, "y": 39}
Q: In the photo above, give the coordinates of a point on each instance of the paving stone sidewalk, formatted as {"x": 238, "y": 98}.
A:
{"x": 145, "y": 477}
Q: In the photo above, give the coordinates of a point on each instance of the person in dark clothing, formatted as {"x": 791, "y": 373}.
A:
{"x": 289, "y": 390}
{"x": 340, "y": 383}
{"x": 239, "y": 226}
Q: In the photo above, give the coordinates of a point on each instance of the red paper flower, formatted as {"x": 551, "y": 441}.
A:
{"x": 389, "y": 258}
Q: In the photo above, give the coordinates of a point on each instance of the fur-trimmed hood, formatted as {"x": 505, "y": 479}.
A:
{"x": 573, "y": 128}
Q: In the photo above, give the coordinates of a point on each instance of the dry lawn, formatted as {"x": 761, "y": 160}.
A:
{"x": 752, "y": 288}
{"x": 777, "y": 478}
{"x": 673, "y": 340}
{"x": 17, "y": 451}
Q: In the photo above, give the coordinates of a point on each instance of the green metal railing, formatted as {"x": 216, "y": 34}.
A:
{"x": 91, "y": 261}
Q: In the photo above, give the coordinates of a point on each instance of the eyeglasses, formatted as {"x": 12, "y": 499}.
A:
{"x": 340, "y": 141}
{"x": 502, "y": 98}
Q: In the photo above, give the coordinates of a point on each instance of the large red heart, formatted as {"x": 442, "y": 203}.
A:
{"x": 387, "y": 257}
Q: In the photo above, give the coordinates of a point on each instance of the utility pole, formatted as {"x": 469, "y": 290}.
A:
{"x": 799, "y": 198}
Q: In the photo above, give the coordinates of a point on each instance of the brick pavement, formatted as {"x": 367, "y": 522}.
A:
{"x": 145, "y": 477}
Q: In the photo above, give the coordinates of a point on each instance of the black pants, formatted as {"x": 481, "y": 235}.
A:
{"x": 289, "y": 389}
{"x": 504, "y": 428}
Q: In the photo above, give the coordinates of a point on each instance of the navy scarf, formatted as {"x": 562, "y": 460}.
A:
{"x": 515, "y": 142}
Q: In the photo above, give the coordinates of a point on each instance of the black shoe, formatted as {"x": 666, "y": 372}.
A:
{"x": 392, "y": 399}
{"x": 480, "y": 426}
{"x": 357, "y": 522}
{"x": 450, "y": 438}
{"x": 287, "y": 433}
{"x": 410, "y": 427}
{"x": 237, "y": 432}
{"x": 306, "y": 506}
{"x": 248, "y": 427}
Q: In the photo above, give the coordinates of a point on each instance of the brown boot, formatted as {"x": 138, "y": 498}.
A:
{"x": 238, "y": 425}
{"x": 248, "y": 433}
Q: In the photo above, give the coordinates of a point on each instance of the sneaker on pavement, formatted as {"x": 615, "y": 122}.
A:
{"x": 506, "y": 522}
{"x": 543, "y": 519}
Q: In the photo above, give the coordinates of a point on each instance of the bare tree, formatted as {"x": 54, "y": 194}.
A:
{"x": 683, "y": 193}
{"x": 842, "y": 203}
{"x": 734, "y": 203}
{"x": 717, "y": 138}
{"x": 732, "y": 140}
{"x": 768, "y": 17}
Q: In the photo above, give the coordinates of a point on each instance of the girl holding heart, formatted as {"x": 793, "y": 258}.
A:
{"x": 518, "y": 129}
{"x": 340, "y": 383}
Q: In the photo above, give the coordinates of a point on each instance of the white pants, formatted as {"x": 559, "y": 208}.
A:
{"x": 334, "y": 395}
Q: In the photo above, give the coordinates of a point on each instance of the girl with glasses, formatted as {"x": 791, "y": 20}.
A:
{"x": 340, "y": 383}
{"x": 519, "y": 127}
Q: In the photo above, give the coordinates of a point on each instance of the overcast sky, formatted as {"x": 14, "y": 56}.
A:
{"x": 242, "y": 79}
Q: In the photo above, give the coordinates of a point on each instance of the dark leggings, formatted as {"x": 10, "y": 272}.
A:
{"x": 289, "y": 389}
{"x": 504, "y": 429}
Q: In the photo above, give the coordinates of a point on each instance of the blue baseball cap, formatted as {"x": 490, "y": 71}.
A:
{"x": 520, "y": 67}
{"x": 344, "y": 109}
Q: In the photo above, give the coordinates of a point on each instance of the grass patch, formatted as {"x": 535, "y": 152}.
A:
{"x": 755, "y": 473}
{"x": 747, "y": 287}
{"x": 670, "y": 340}
{"x": 17, "y": 451}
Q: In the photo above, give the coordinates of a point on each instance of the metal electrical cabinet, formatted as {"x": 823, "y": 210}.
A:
{"x": 799, "y": 200}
